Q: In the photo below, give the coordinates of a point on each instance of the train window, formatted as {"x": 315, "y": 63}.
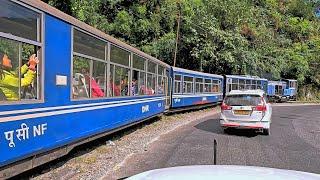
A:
{"x": 152, "y": 67}
{"x": 259, "y": 86}
{"x": 161, "y": 70}
{"x": 138, "y": 62}
{"x": 88, "y": 45}
{"x": 234, "y": 87}
{"x": 199, "y": 85}
{"x": 151, "y": 84}
{"x": 215, "y": 86}
{"x": 98, "y": 80}
{"x": 142, "y": 83}
{"x": 111, "y": 88}
{"x": 138, "y": 83}
{"x": 81, "y": 78}
{"x": 121, "y": 81}
{"x": 161, "y": 81}
{"x": 119, "y": 56}
{"x": 254, "y": 84}
{"x": 241, "y": 84}
{"x": 20, "y": 77}
{"x": 235, "y": 81}
{"x": 19, "y": 21}
{"x": 177, "y": 84}
{"x": 207, "y": 85}
{"x": 188, "y": 84}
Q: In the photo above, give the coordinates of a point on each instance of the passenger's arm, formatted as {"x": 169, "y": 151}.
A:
{"x": 23, "y": 69}
{"x": 28, "y": 78}
{"x": 13, "y": 80}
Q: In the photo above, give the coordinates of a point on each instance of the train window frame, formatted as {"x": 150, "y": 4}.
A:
{"x": 207, "y": 89}
{"x": 242, "y": 84}
{"x": 161, "y": 79}
{"x": 177, "y": 82}
{"x": 199, "y": 84}
{"x": 39, "y": 48}
{"x": 154, "y": 78}
{"x": 216, "y": 84}
{"x": 91, "y": 60}
{"x": 92, "y": 37}
{"x": 121, "y": 49}
{"x": 139, "y": 71}
{"x": 235, "y": 83}
{"x": 187, "y": 83}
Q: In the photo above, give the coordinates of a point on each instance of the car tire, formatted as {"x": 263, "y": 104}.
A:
{"x": 266, "y": 132}
{"x": 226, "y": 130}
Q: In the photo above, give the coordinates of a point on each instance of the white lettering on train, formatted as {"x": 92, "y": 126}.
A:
{"x": 177, "y": 100}
{"x": 145, "y": 108}
{"x": 23, "y": 134}
{"x": 39, "y": 129}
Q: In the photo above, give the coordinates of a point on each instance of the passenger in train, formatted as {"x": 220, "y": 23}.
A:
{"x": 124, "y": 87}
{"x": 114, "y": 90}
{"x": 160, "y": 88}
{"x": 134, "y": 87}
{"x": 95, "y": 88}
{"x": 9, "y": 80}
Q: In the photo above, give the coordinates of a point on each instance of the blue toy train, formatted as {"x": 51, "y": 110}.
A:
{"x": 84, "y": 84}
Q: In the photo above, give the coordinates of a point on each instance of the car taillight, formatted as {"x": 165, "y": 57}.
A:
{"x": 225, "y": 107}
{"x": 260, "y": 107}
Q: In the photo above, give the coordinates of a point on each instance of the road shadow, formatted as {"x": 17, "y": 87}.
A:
{"x": 213, "y": 126}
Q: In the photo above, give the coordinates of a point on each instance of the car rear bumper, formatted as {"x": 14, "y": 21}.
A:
{"x": 245, "y": 124}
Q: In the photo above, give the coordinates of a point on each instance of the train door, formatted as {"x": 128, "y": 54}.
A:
{"x": 168, "y": 85}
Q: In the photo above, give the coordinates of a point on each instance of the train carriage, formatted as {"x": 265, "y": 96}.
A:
{"x": 242, "y": 82}
{"x": 276, "y": 90}
{"x": 86, "y": 84}
{"x": 291, "y": 89}
{"x": 192, "y": 88}
{"x": 283, "y": 90}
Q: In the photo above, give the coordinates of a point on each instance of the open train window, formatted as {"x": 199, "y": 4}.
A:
{"x": 161, "y": 79}
{"x": 207, "y": 85}
{"x": 151, "y": 78}
{"x": 216, "y": 86}
{"x": 89, "y": 66}
{"x": 138, "y": 86}
{"x": 187, "y": 84}
{"x": 20, "y": 53}
{"x": 241, "y": 84}
{"x": 199, "y": 85}
{"x": 177, "y": 84}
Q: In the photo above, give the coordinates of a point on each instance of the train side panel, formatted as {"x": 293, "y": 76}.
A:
{"x": 29, "y": 129}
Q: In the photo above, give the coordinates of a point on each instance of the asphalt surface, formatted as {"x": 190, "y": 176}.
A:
{"x": 294, "y": 144}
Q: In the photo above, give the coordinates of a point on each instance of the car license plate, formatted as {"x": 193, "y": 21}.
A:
{"x": 241, "y": 112}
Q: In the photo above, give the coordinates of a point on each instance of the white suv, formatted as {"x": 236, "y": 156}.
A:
{"x": 246, "y": 109}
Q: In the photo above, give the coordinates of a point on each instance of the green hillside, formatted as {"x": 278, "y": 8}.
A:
{"x": 268, "y": 38}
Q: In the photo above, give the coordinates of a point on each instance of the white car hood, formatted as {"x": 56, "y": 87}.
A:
{"x": 224, "y": 172}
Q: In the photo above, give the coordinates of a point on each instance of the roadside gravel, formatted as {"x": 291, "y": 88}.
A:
{"x": 106, "y": 155}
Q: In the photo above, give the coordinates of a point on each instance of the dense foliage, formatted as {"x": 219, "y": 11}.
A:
{"x": 268, "y": 38}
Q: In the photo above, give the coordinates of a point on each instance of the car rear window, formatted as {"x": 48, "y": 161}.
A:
{"x": 242, "y": 100}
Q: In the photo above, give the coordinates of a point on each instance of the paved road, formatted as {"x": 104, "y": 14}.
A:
{"x": 294, "y": 144}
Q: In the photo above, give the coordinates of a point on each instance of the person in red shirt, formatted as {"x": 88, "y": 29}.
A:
{"x": 95, "y": 88}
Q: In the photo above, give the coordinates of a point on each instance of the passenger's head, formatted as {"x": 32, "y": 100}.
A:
{"x": 5, "y": 61}
{"x": 85, "y": 71}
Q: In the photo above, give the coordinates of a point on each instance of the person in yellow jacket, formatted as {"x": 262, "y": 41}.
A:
{"x": 9, "y": 80}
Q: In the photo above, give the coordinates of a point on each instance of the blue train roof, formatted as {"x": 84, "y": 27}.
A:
{"x": 276, "y": 82}
{"x": 176, "y": 69}
{"x": 246, "y": 77}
